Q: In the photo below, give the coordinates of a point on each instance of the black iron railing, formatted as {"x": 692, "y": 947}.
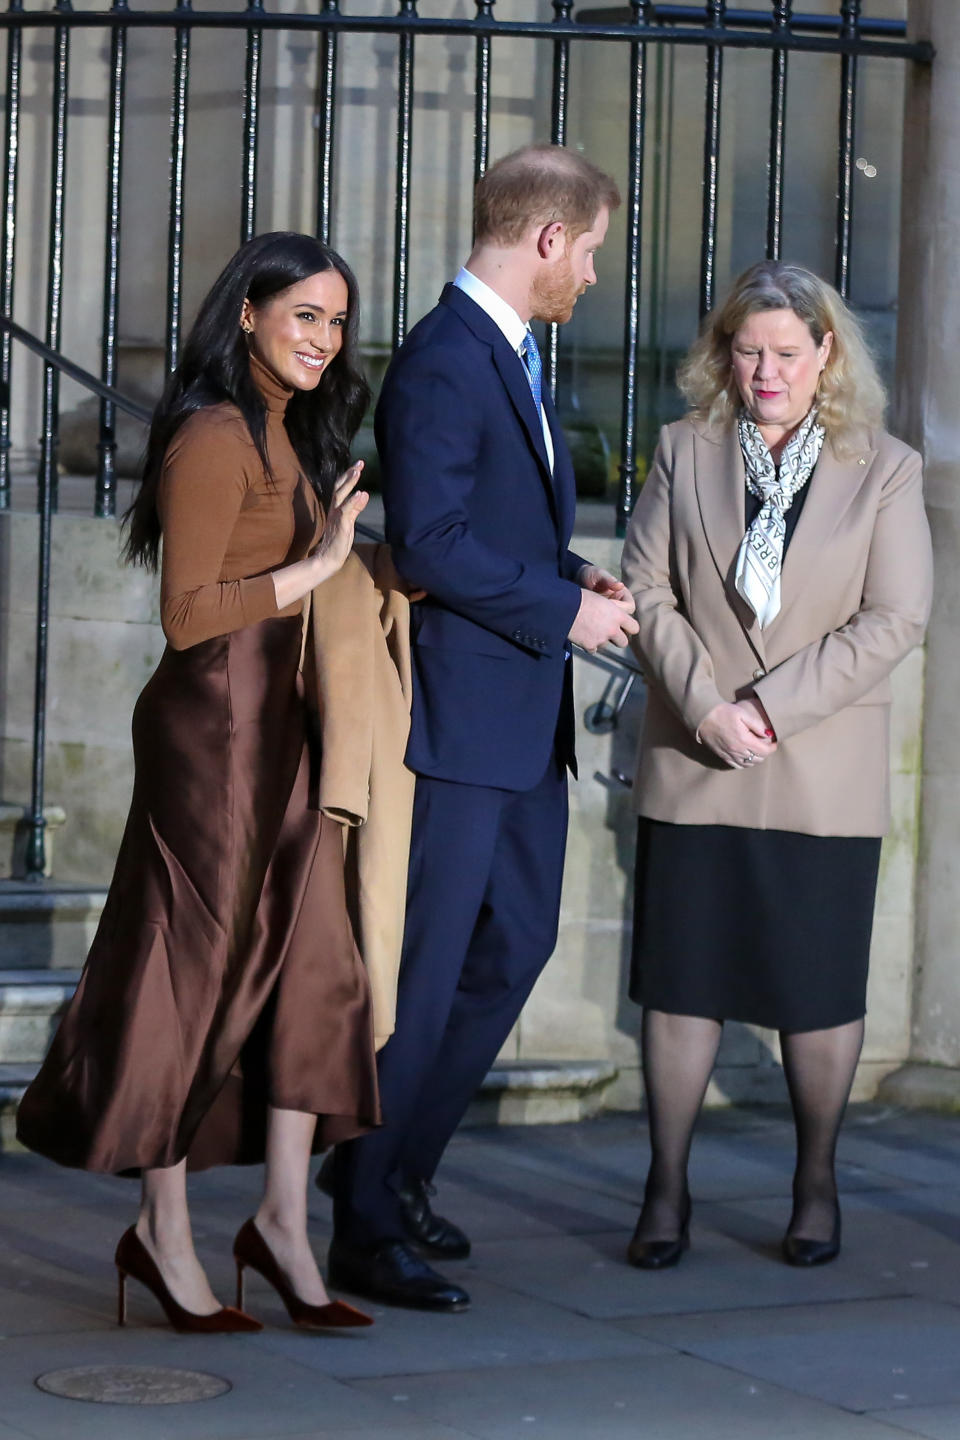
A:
{"x": 54, "y": 365}
{"x": 713, "y": 27}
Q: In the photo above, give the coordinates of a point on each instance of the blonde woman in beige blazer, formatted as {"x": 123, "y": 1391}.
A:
{"x": 780, "y": 561}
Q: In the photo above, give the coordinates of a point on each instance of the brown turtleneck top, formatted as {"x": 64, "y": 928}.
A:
{"x": 227, "y": 524}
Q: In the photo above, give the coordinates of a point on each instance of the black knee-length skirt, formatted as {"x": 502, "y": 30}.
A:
{"x": 769, "y": 927}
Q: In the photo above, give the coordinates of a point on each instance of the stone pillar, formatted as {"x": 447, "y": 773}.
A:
{"x": 927, "y": 414}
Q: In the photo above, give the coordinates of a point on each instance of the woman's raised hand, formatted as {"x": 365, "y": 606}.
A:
{"x": 293, "y": 582}
{"x": 740, "y": 734}
{"x": 336, "y": 542}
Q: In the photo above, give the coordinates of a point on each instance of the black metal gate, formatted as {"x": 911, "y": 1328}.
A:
{"x": 713, "y": 28}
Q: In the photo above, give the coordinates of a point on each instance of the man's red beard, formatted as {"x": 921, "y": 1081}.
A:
{"x": 554, "y": 293}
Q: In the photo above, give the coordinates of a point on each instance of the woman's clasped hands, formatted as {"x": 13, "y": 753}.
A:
{"x": 739, "y": 733}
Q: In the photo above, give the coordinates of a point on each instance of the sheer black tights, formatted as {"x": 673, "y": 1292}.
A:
{"x": 819, "y": 1066}
{"x": 679, "y": 1053}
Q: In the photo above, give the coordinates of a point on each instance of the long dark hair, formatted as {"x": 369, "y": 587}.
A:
{"x": 215, "y": 367}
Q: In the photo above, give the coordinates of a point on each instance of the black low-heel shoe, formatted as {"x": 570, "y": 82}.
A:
{"x": 430, "y": 1231}
{"x": 659, "y": 1254}
{"x": 804, "y": 1253}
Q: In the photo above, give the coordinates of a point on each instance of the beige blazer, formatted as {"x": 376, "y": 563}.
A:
{"x": 358, "y": 656}
{"x": 856, "y": 590}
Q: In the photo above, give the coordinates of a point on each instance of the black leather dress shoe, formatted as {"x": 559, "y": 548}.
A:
{"x": 392, "y": 1272}
{"x": 431, "y": 1232}
{"x": 804, "y": 1253}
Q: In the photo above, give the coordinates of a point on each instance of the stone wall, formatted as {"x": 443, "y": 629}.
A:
{"x": 928, "y": 415}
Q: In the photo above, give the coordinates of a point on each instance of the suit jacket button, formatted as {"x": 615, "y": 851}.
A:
{"x": 759, "y": 673}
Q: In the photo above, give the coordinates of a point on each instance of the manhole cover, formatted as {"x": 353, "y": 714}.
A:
{"x": 132, "y": 1384}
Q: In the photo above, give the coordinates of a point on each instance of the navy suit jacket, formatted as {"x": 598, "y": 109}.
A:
{"x": 476, "y": 519}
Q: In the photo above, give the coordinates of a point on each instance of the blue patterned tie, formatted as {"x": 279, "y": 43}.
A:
{"x": 534, "y": 366}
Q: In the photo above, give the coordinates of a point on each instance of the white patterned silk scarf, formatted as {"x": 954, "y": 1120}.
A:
{"x": 760, "y": 557}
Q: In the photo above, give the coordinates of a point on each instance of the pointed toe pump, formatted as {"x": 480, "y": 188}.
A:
{"x": 660, "y": 1254}
{"x": 133, "y": 1259}
{"x": 251, "y": 1250}
{"x": 804, "y": 1253}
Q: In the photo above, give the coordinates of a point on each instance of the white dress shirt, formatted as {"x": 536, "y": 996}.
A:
{"x": 508, "y": 321}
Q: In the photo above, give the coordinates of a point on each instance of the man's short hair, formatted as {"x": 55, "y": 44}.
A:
{"x": 539, "y": 185}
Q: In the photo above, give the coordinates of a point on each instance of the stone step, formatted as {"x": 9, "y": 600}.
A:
{"x": 533, "y": 1092}
{"x": 47, "y": 924}
{"x": 14, "y": 1079}
{"x": 541, "y": 1092}
{"x": 31, "y": 1002}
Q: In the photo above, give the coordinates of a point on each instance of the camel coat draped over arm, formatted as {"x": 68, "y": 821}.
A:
{"x": 357, "y": 672}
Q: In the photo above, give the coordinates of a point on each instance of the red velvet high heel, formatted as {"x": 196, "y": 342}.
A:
{"x": 250, "y": 1249}
{"x": 133, "y": 1258}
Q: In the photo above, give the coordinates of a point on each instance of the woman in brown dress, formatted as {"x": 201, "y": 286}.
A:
{"x": 223, "y": 1016}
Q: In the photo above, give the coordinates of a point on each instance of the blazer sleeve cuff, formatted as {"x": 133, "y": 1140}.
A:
{"x": 258, "y": 597}
{"x": 767, "y": 692}
{"x": 698, "y": 711}
{"x": 572, "y": 566}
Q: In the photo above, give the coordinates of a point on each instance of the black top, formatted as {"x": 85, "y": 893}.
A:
{"x": 791, "y": 517}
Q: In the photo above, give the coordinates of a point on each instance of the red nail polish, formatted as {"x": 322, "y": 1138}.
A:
{"x": 769, "y": 734}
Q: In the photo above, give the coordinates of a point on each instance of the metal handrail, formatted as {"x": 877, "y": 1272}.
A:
{"x": 480, "y": 27}
{"x": 74, "y": 371}
{"x": 692, "y": 15}
{"x": 55, "y": 364}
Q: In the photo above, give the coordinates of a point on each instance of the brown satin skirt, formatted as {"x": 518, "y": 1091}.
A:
{"x": 224, "y": 975}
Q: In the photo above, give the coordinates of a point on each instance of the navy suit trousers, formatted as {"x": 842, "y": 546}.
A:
{"x": 486, "y": 867}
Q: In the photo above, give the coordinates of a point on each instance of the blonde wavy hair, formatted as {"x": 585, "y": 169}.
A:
{"x": 850, "y": 396}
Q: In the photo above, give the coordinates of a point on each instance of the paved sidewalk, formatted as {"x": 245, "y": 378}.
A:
{"x": 564, "y": 1341}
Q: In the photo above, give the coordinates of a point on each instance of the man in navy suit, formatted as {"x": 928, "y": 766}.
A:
{"x": 478, "y": 488}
